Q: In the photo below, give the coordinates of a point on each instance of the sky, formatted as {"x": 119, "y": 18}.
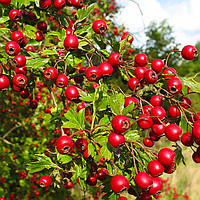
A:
{"x": 182, "y": 15}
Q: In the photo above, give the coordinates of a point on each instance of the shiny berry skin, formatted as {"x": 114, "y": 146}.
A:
{"x": 59, "y": 4}
{"x": 71, "y": 92}
{"x": 15, "y": 15}
{"x": 19, "y": 60}
{"x": 119, "y": 183}
{"x": 5, "y": 2}
{"x": 189, "y": 52}
{"x": 39, "y": 36}
{"x": 17, "y": 36}
{"x": 50, "y": 73}
{"x": 100, "y": 175}
{"x": 20, "y": 80}
{"x": 45, "y": 4}
{"x": 156, "y": 100}
{"x": 21, "y": 70}
{"x": 130, "y": 100}
{"x": 141, "y": 59}
{"x": 71, "y": 43}
{"x": 148, "y": 142}
{"x": 30, "y": 48}
{"x": 196, "y": 131}
{"x": 4, "y": 82}
{"x": 91, "y": 180}
{"x": 85, "y": 154}
{"x": 157, "y": 186}
{"x": 145, "y": 196}
{"x": 115, "y": 140}
{"x": 64, "y": 144}
{"x": 174, "y": 85}
{"x": 134, "y": 84}
{"x": 145, "y": 121}
{"x": 130, "y": 37}
{"x": 139, "y": 72}
{"x": 150, "y": 76}
{"x": 33, "y": 104}
{"x": 147, "y": 109}
{"x": 122, "y": 198}
{"x": 187, "y": 139}
{"x": 68, "y": 184}
{"x": 166, "y": 156}
{"x": 158, "y": 129}
{"x": 81, "y": 144}
{"x": 99, "y": 26}
{"x": 197, "y": 116}
{"x": 196, "y": 157}
{"x": 169, "y": 169}
{"x": 174, "y": 111}
{"x": 115, "y": 59}
{"x": 157, "y": 65}
{"x": 12, "y": 48}
{"x": 185, "y": 102}
{"x": 62, "y": 81}
{"x": 77, "y": 3}
{"x": 169, "y": 73}
{"x": 157, "y": 113}
{"x": 120, "y": 124}
{"x": 24, "y": 93}
{"x": 143, "y": 180}
{"x": 45, "y": 181}
{"x": 42, "y": 26}
{"x": 68, "y": 31}
{"x": 173, "y": 132}
{"x": 106, "y": 69}
{"x": 153, "y": 136}
{"x": 93, "y": 73}
{"x": 155, "y": 168}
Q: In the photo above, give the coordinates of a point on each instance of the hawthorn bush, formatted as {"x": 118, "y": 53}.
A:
{"x": 81, "y": 110}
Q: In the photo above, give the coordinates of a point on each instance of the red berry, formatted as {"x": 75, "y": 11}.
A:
{"x": 130, "y": 37}
{"x": 185, "y": 102}
{"x": 39, "y": 36}
{"x": 115, "y": 139}
{"x": 134, "y": 84}
{"x": 130, "y": 100}
{"x": 34, "y": 104}
{"x": 68, "y": 31}
{"x": 196, "y": 157}
{"x": 120, "y": 124}
{"x": 106, "y": 69}
{"x": 155, "y": 168}
{"x": 173, "y": 132}
{"x": 189, "y": 52}
{"x": 174, "y": 85}
{"x": 115, "y": 59}
{"x": 71, "y": 92}
{"x": 81, "y": 144}
{"x": 30, "y": 48}
{"x": 147, "y": 109}
{"x": 158, "y": 129}
{"x": 42, "y": 26}
{"x": 21, "y": 70}
{"x": 141, "y": 59}
{"x": 145, "y": 121}
{"x": 174, "y": 112}
{"x": 64, "y": 144}
{"x": 156, "y": 100}
{"x": 101, "y": 175}
{"x": 20, "y": 80}
{"x": 196, "y": 131}
{"x": 68, "y": 184}
{"x": 93, "y": 73}
{"x": 62, "y": 81}
{"x": 187, "y": 139}
{"x": 150, "y": 76}
{"x": 122, "y": 198}
{"x": 12, "y": 48}
{"x": 148, "y": 142}
{"x": 99, "y": 26}
{"x": 169, "y": 73}
{"x": 19, "y": 60}
{"x": 77, "y": 3}
{"x": 143, "y": 180}
{"x": 119, "y": 183}
{"x": 5, "y": 2}
{"x": 139, "y": 72}
{"x": 157, "y": 186}
{"x": 71, "y": 43}
{"x": 91, "y": 180}
{"x": 45, "y": 181}
{"x": 157, "y": 65}
{"x": 17, "y": 36}
{"x": 197, "y": 116}
{"x": 15, "y": 15}
{"x": 50, "y": 73}
{"x": 157, "y": 113}
{"x": 166, "y": 156}
{"x": 45, "y": 4}
{"x": 145, "y": 196}
{"x": 4, "y": 82}
{"x": 59, "y": 4}
{"x": 169, "y": 169}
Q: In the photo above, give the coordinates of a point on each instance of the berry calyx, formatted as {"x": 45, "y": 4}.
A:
{"x": 119, "y": 183}
{"x": 189, "y": 52}
{"x": 99, "y": 26}
{"x": 45, "y": 181}
{"x": 64, "y": 144}
{"x": 143, "y": 180}
{"x": 120, "y": 124}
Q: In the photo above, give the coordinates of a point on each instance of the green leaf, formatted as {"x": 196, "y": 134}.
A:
{"x": 88, "y": 97}
{"x": 105, "y": 120}
{"x": 4, "y": 19}
{"x": 116, "y": 102}
{"x": 183, "y": 123}
{"x": 64, "y": 159}
{"x": 75, "y": 120}
{"x": 191, "y": 83}
{"x": 49, "y": 52}
{"x": 3, "y": 31}
{"x": 105, "y": 152}
{"x": 179, "y": 156}
{"x": 37, "y": 62}
{"x": 82, "y": 14}
{"x": 91, "y": 149}
{"x": 102, "y": 104}
{"x": 132, "y": 135}
{"x": 128, "y": 109}
{"x": 43, "y": 162}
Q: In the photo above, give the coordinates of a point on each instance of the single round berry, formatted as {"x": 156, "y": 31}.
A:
{"x": 39, "y": 36}
{"x": 4, "y": 82}
{"x": 45, "y": 181}
{"x": 158, "y": 129}
{"x": 5, "y": 2}
{"x": 130, "y": 100}
{"x": 157, "y": 186}
{"x": 62, "y": 81}
{"x": 50, "y": 73}
{"x": 71, "y": 92}
{"x": 145, "y": 121}
{"x": 185, "y": 102}
{"x": 196, "y": 131}
{"x": 42, "y": 26}
{"x": 155, "y": 168}
{"x": 169, "y": 73}
{"x": 148, "y": 142}
{"x": 71, "y": 43}
{"x": 19, "y": 60}
{"x": 157, "y": 113}
{"x": 147, "y": 109}
{"x": 20, "y": 80}
{"x": 196, "y": 157}
{"x": 106, "y": 69}
{"x": 143, "y": 180}
{"x": 91, "y": 180}
{"x": 187, "y": 139}
{"x": 166, "y": 156}
{"x": 141, "y": 59}
{"x": 93, "y": 73}
{"x": 156, "y": 100}
{"x": 189, "y": 52}
{"x": 119, "y": 183}
{"x": 197, "y": 116}
{"x": 115, "y": 59}
{"x": 145, "y": 196}
{"x": 115, "y": 140}
{"x": 120, "y": 124}
{"x": 173, "y": 132}
{"x": 15, "y": 15}
{"x": 64, "y": 144}
{"x": 45, "y": 4}
{"x": 17, "y": 36}
{"x": 59, "y": 4}
{"x": 134, "y": 84}
{"x": 174, "y": 85}
{"x": 157, "y": 65}
{"x": 101, "y": 175}
{"x": 150, "y": 76}
{"x": 21, "y": 70}
{"x": 33, "y": 104}
{"x": 169, "y": 169}
{"x": 68, "y": 184}
{"x": 81, "y": 144}
{"x": 99, "y": 26}
{"x": 139, "y": 72}
{"x": 12, "y": 48}
{"x": 174, "y": 111}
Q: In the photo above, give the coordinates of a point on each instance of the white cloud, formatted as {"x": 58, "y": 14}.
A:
{"x": 182, "y": 15}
